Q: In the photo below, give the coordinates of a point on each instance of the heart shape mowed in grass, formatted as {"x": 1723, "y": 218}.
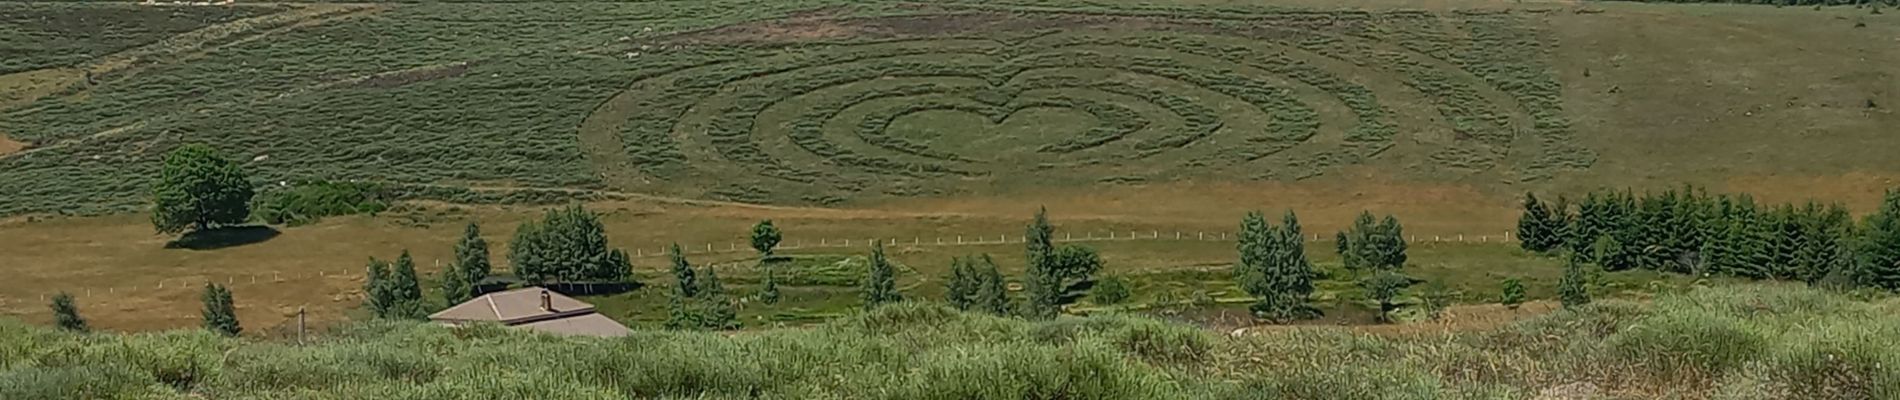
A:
{"x": 985, "y": 126}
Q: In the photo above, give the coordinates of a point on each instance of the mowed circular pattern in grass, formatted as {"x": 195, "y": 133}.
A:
{"x": 1082, "y": 104}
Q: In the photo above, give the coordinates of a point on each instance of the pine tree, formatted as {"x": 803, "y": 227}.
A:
{"x": 960, "y": 288}
{"x": 1747, "y": 241}
{"x": 1342, "y": 245}
{"x": 66, "y": 314}
{"x": 1562, "y": 223}
{"x": 1053, "y": 273}
{"x": 1652, "y": 246}
{"x": 680, "y": 314}
{"x": 1824, "y": 248}
{"x": 770, "y": 294}
{"x": 1607, "y": 252}
{"x": 1785, "y": 240}
{"x": 1391, "y": 248}
{"x": 684, "y": 282}
{"x": 1535, "y": 226}
{"x": 1357, "y": 246}
{"x": 1513, "y": 293}
{"x": 405, "y": 289}
{"x": 684, "y": 308}
{"x": 1294, "y": 273}
{"x": 376, "y": 289}
{"x": 1880, "y": 246}
{"x": 455, "y": 287}
{"x": 1591, "y": 223}
{"x": 716, "y": 308}
{"x": 1571, "y": 289}
{"x": 880, "y": 283}
{"x": 1256, "y": 247}
{"x": 471, "y": 260}
{"x": 219, "y": 314}
{"x": 991, "y": 295}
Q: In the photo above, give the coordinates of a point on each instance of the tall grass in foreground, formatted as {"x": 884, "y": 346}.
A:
{"x": 1750, "y": 342}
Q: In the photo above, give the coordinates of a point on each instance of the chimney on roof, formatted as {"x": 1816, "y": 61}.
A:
{"x": 547, "y": 303}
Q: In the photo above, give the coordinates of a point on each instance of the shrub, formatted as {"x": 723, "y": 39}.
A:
{"x": 1111, "y": 290}
{"x": 308, "y": 202}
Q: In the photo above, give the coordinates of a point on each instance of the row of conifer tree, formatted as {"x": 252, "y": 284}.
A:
{"x": 1691, "y": 231}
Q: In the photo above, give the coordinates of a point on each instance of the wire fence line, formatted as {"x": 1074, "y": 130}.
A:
{"x": 998, "y": 239}
{"x": 106, "y": 296}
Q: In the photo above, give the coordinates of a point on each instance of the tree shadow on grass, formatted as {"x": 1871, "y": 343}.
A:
{"x": 223, "y": 238}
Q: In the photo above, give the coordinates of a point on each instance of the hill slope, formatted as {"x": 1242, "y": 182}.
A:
{"x": 834, "y": 102}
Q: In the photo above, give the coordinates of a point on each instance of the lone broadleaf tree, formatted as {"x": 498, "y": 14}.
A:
{"x": 66, "y": 313}
{"x": 219, "y": 314}
{"x": 199, "y": 189}
{"x": 765, "y": 237}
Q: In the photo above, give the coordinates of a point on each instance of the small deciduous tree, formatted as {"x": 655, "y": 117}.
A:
{"x": 1111, "y": 290}
{"x": 199, "y": 189}
{"x": 765, "y": 237}
{"x": 568, "y": 244}
{"x": 1572, "y": 289}
{"x": 1370, "y": 245}
{"x": 1384, "y": 287}
{"x": 880, "y": 281}
{"x": 1513, "y": 293}
{"x": 66, "y": 313}
{"x": 220, "y": 315}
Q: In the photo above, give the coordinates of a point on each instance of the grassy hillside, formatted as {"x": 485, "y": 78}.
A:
{"x": 1756, "y": 342}
{"x": 854, "y": 102}
{"x": 858, "y": 119}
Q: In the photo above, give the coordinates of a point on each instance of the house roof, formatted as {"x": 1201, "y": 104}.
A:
{"x": 514, "y": 307}
{"x": 590, "y": 324}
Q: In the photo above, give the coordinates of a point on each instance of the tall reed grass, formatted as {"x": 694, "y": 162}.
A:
{"x": 1758, "y": 341}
